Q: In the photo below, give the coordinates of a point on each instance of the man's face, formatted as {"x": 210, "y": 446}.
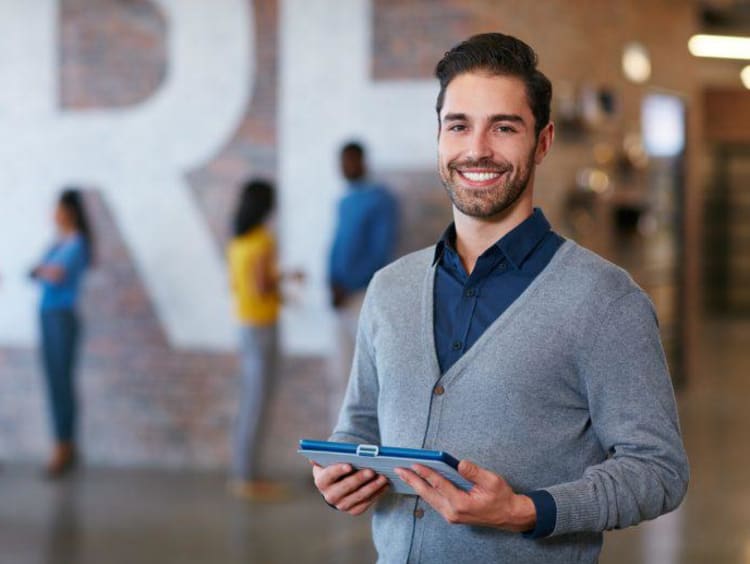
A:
{"x": 352, "y": 164}
{"x": 487, "y": 147}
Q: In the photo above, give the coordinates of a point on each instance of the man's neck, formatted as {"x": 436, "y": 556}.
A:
{"x": 356, "y": 183}
{"x": 475, "y": 235}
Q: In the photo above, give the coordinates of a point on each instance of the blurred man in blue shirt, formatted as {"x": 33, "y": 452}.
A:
{"x": 364, "y": 242}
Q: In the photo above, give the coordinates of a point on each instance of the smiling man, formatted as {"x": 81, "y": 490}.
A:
{"x": 535, "y": 361}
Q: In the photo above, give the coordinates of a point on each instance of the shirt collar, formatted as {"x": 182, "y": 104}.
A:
{"x": 448, "y": 239}
{"x": 360, "y": 184}
{"x": 523, "y": 239}
{"x": 516, "y": 245}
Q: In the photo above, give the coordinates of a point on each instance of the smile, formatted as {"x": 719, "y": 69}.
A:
{"x": 480, "y": 176}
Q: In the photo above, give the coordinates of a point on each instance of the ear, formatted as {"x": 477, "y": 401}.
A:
{"x": 544, "y": 142}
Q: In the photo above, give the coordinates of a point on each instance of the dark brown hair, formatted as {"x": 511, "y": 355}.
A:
{"x": 256, "y": 202}
{"x": 71, "y": 199}
{"x": 498, "y": 54}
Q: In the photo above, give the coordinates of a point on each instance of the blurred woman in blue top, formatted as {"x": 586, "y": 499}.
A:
{"x": 60, "y": 275}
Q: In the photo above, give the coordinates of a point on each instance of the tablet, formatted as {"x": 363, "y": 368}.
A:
{"x": 384, "y": 460}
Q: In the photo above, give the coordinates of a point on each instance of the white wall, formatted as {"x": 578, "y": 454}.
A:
{"x": 328, "y": 97}
{"x": 137, "y": 156}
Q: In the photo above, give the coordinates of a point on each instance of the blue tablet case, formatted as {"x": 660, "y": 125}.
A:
{"x": 384, "y": 460}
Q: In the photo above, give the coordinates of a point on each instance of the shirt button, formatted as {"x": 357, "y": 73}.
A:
{"x": 439, "y": 390}
{"x": 419, "y": 513}
{"x": 470, "y": 293}
{"x": 502, "y": 266}
{"x": 457, "y": 345}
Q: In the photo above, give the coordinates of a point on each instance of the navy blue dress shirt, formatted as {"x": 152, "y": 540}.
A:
{"x": 365, "y": 238}
{"x": 467, "y": 304}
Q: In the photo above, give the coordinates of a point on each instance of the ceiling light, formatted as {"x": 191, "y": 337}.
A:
{"x": 720, "y": 46}
{"x": 663, "y": 125}
{"x": 745, "y": 77}
{"x": 636, "y": 64}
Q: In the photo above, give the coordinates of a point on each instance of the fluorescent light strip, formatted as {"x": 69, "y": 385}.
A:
{"x": 720, "y": 46}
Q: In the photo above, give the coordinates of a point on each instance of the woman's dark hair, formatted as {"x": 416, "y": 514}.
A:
{"x": 501, "y": 55}
{"x": 255, "y": 205}
{"x": 71, "y": 199}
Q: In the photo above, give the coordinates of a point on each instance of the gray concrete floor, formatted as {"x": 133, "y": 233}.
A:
{"x": 136, "y": 516}
{"x": 102, "y": 516}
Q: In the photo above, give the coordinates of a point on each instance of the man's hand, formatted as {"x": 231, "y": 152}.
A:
{"x": 491, "y": 502}
{"x": 348, "y": 491}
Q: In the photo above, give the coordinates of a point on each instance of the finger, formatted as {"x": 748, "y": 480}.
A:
{"x": 365, "y": 505}
{"x": 444, "y": 486}
{"x": 363, "y": 494}
{"x": 422, "y": 488}
{"x": 346, "y": 486}
{"x": 477, "y": 475}
{"x": 329, "y": 475}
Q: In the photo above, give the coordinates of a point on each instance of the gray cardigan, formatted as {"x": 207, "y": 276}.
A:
{"x": 567, "y": 391}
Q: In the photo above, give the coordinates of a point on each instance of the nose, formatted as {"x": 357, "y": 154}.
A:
{"x": 479, "y": 146}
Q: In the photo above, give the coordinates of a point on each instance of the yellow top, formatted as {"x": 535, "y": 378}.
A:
{"x": 252, "y": 257}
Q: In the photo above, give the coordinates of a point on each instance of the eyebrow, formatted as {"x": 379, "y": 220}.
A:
{"x": 493, "y": 119}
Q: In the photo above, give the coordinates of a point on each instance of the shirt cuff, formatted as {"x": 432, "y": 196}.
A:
{"x": 546, "y": 514}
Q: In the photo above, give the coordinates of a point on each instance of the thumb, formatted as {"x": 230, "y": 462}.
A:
{"x": 470, "y": 471}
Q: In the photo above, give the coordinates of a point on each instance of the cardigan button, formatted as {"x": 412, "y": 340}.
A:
{"x": 419, "y": 513}
{"x": 439, "y": 390}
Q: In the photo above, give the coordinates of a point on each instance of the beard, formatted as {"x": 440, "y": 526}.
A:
{"x": 486, "y": 202}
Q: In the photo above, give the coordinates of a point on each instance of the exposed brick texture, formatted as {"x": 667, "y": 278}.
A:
{"x": 112, "y": 52}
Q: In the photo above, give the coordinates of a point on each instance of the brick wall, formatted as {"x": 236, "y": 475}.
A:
{"x": 145, "y": 403}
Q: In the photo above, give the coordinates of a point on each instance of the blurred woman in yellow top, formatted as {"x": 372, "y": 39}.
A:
{"x": 252, "y": 265}
{"x": 255, "y": 280}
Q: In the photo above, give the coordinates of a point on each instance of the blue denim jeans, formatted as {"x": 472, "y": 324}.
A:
{"x": 60, "y": 332}
{"x": 259, "y": 350}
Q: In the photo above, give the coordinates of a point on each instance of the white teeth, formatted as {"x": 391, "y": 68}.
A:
{"x": 480, "y": 176}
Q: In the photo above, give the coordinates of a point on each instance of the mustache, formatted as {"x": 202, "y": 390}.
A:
{"x": 487, "y": 164}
